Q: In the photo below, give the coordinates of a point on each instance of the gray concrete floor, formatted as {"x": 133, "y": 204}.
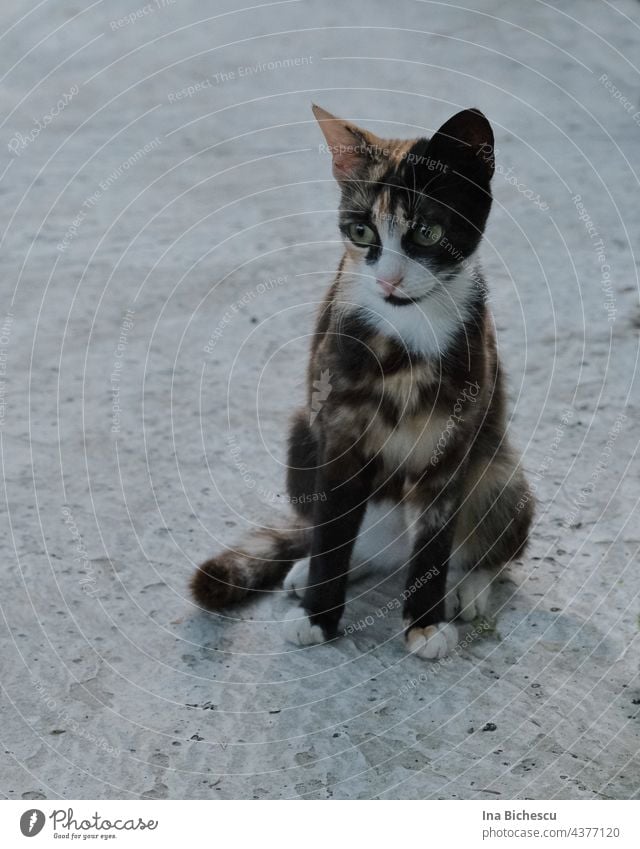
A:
{"x": 134, "y": 444}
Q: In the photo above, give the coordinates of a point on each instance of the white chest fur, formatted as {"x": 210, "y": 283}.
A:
{"x": 411, "y": 445}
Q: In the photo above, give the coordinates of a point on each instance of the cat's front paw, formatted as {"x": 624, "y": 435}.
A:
{"x": 470, "y": 598}
{"x": 295, "y": 583}
{"x": 299, "y": 630}
{"x": 433, "y": 642}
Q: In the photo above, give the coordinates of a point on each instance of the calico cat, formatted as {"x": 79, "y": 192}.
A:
{"x": 401, "y": 456}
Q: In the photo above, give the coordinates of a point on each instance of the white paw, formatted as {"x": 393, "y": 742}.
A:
{"x": 297, "y": 578}
{"x": 299, "y": 630}
{"x": 474, "y": 590}
{"x": 433, "y": 642}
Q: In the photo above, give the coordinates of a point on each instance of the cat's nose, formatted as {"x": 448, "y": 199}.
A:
{"x": 389, "y": 284}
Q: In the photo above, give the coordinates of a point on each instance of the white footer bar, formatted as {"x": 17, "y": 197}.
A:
{"x": 317, "y": 824}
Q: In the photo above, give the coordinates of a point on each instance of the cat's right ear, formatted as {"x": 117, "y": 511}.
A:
{"x": 351, "y": 147}
{"x": 466, "y": 143}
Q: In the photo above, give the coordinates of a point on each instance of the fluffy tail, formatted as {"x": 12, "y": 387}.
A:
{"x": 260, "y": 562}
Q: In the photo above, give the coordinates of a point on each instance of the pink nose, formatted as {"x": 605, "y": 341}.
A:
{"x": 390, "y": 285}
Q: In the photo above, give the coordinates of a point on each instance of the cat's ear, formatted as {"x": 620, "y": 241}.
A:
{"x": 350, "y": 146}
{"x": 466, "y": 142}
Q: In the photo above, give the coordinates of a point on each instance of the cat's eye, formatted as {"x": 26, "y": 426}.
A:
{"x": 362, "y": 235}
{"x": 427, "y": 235}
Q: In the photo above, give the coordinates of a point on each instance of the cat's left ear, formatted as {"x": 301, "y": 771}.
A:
{"x": 351, "y": 147}
{"x": 466, "y": 142}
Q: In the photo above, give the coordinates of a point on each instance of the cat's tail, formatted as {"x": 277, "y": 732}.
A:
{"x": 258, "y": 563}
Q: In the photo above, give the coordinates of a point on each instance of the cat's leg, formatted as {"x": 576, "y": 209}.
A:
{"x": 383, "y": 543}
{"x": 302, "y": 464}
{"x": 302, "y": 471}
{"x": 428, "y": 634}
{"x": 297, "y": 579}
{"x": 495, "y": 516}
{"x": 469, "y": 588}
{"x": 345, "y": 481}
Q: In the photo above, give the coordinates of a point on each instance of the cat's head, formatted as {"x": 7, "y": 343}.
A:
{"x": 412, "y": 211}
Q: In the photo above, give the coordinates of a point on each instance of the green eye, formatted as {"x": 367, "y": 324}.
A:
{"x": 426, "y": 235}
{"x": 362, "y": 235}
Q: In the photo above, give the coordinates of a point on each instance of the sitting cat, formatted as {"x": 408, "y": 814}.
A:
{"x": 404, "y": 433}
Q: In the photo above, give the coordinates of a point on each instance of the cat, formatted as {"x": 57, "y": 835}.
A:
{"x": 400, "y": 457}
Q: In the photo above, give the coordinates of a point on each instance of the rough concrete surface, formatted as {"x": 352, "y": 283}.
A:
{"x": 163, "y": 250}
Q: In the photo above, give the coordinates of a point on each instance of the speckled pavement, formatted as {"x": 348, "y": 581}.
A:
{"x": 168, "y": 227}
